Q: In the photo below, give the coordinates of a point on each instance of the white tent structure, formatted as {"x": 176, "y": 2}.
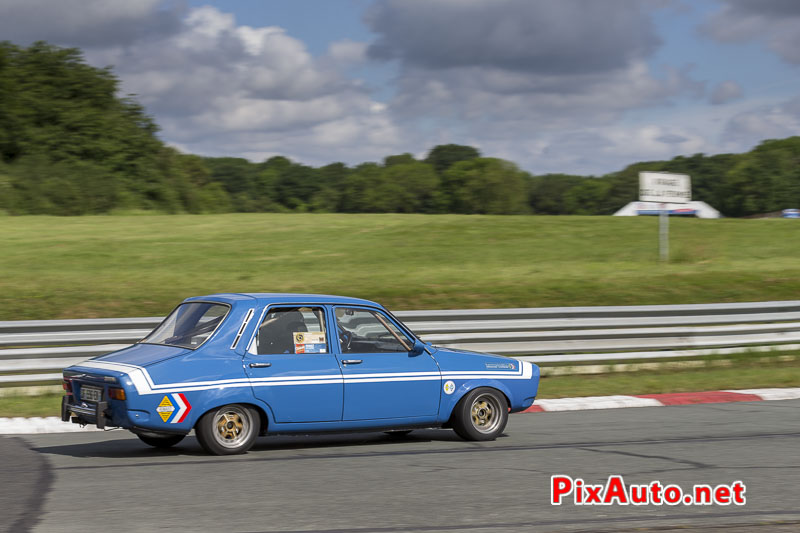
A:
{"x": 689, "y": 209}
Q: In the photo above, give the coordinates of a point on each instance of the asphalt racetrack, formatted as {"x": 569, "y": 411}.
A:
{"x": 427, "y": 481}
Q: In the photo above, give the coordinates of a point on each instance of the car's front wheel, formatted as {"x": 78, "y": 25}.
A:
{"x": 160, "y": 441}
{"x": 228, "y": 430}
{"x": 481, "y": 414}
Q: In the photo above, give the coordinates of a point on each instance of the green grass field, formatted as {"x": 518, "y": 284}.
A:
{"x": 118, "y": 266}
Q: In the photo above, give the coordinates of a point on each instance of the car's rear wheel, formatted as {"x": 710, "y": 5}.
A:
{"x": 160, "y": 441}
{"x": 481, "y": 414}
{"x": 228, "y": 430}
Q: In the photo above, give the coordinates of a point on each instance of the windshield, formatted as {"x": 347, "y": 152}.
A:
{"x": 189, "y": 325}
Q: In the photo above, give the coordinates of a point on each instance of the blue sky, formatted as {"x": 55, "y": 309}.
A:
{"x": 573, "y": 86}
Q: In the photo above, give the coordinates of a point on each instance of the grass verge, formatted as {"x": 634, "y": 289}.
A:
{"x": 710, "y": 372}
{"x": 124, "y": 266}
{"x": 45, "y": 405}
{"x": 653, "y": 382}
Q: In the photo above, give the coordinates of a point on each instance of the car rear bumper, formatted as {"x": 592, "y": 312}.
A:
{"x": 97, "y": 414}
{"x": 101, "y": 415}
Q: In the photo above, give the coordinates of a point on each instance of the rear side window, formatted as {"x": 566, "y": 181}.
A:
{"x": 189, "y": 325}
{"x": 291, "y": 330}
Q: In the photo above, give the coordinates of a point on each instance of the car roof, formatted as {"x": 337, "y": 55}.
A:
{"x": 265, "y": 298}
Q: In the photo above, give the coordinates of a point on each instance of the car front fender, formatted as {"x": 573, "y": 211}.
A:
{"x": 449, "y": 401}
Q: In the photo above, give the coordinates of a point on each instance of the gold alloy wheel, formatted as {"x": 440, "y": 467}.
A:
{"x": 485, "y": 413}
{"x": 231, "y": 426}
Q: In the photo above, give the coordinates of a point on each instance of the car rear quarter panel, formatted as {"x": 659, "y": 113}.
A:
{"x": 208, "y": 377}
{"x": 183, "y": 383}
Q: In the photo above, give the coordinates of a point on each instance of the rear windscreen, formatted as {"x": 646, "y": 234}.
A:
{"x": 189, "y": 325}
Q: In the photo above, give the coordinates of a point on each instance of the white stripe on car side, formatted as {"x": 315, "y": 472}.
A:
{"x": 144, "y": 384}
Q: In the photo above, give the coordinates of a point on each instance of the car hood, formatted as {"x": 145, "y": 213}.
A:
{"x": 143, "y": 354}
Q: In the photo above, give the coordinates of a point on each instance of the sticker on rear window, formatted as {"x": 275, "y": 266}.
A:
{"x": 309, "y": 342}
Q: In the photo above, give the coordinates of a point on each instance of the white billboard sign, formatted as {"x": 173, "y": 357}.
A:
{"x": 664, "y": 187}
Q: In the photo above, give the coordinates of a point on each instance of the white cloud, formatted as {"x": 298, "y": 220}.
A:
{"x": 217, "y": 87}
{"x": 565, "y": 86}
{"x": 87, "y": 22}
{"x": 220, "y": 88}
{"x": 772, "y": 121}
{"x": 537, "y": 82}
{"x": 348, "y": 52}
{"x": 776, "y": 22}
{"x": 725, "y": 92}
{"x": 597, "y": 150}
{"x": 352, "y": 139}
{"x": 518, "y": 35}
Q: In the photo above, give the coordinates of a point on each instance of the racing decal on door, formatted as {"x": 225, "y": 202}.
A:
{"x": 166, "y": 409}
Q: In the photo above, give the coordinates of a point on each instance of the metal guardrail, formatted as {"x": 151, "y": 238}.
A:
{"x": 34, "y": 351}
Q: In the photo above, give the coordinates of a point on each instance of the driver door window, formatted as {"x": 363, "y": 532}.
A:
{"x": 365, "y": 331}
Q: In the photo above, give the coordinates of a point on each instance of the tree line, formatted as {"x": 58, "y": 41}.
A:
{"x": 70, "y": 146}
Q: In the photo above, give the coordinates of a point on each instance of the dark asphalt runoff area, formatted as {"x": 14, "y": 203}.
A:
{"x": 427, "y": 481}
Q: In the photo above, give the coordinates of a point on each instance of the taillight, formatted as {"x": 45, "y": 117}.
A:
{"x": 116, "y": 393}
{"x": 67, "y": 385}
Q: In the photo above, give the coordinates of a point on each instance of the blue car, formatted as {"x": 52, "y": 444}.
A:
{"x": 236, "y": 366}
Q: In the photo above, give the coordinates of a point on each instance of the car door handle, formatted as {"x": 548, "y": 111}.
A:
{"x": 260, "y": 365}
{"x": 351, "y": 361}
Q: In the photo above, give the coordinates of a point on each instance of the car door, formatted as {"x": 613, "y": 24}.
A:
{"x": 382, "y": 378}
{"x": 291, "y": 366}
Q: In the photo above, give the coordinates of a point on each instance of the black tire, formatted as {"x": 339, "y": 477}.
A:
{"x": 228, "y": 430}
{"x": 481, "y": 414}
{"x": 160, "y": 441}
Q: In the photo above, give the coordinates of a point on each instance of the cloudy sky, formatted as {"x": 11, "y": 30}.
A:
{"x": 577, "y": 86}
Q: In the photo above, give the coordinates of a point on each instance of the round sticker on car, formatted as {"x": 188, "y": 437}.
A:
{"x": 449, "y": 387}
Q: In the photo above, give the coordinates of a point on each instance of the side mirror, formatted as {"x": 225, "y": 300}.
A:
{"x": 418, "y": 348}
